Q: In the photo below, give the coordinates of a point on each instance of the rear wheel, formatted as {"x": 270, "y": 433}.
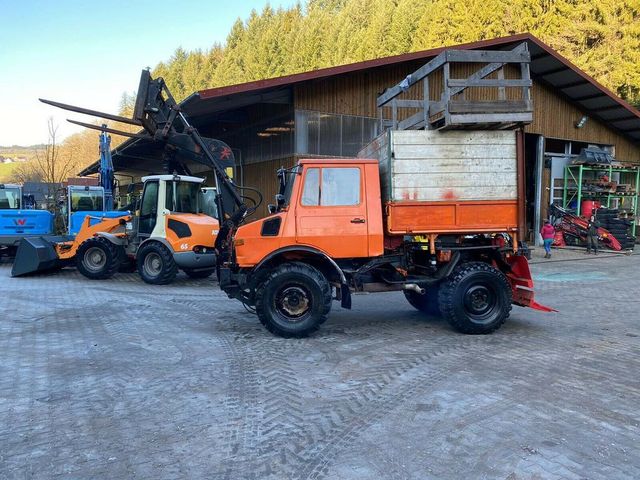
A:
{"x": 156, "y": 265}
{"x": 197, "y": 274}
{"x": 97, "y": 258}
{"x": 476, "y": 299}
{"x": 294, "y": 300}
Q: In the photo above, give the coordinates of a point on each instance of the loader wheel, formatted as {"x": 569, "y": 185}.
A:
{"x": 156, "y": 265}
{"x": 476, "y": 299}
{"x": 197, "y": 274}
{"x": 293, "y": 300}
{"x": 427, "y": 303}
{"x": 97, "y": 258}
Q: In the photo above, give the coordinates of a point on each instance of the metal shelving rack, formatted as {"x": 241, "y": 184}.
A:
{"x": 574, "y": 176}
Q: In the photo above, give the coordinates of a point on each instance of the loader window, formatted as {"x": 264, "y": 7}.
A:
{"x": 149, "y": 208}
{"x": 9, "y": 198}
{"x": 183, "y": 197}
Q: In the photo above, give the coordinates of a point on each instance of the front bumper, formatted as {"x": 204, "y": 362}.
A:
{"x": 195, "y": 261}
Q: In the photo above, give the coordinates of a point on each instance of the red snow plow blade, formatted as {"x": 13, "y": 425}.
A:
{"x": 522, "y": 284}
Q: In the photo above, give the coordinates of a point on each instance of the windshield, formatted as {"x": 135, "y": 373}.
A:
{"x": 9, "y": 198}
{"x": 289, "y": 177}
{"x": 86, "y": 201}
{"x": 183, "y": 197}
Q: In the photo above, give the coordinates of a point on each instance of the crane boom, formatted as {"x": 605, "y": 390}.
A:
{"x": 106, "y": 169}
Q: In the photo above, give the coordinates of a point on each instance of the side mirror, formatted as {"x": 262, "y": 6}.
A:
{"x": 131, "y": 188}
{"x": 272, "y": 208}
{"x": 280, "y": 200}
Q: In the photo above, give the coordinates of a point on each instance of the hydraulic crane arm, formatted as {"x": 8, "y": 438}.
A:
{"x": 163, "y": 121}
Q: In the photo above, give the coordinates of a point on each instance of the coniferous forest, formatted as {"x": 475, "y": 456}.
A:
{"x": 600, "y": 36}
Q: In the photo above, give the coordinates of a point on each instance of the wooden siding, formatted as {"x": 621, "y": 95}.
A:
{"x": 262, "y": 176}
{"x": 554, "y": 116}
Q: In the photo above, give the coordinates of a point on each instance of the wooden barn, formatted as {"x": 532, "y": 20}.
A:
{"x": 333, "y": 112}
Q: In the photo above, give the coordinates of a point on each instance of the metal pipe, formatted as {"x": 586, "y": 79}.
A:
{"x": 415, "y": 288}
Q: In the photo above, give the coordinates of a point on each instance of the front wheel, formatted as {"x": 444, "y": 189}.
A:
{"x": 97, "y": 258}
{"x": 155, "y": 264}
{"x": 476, "y": 299}
{"x": 293, "y": 300}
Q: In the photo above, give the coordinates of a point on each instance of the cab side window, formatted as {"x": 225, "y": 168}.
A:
{"x": 311, "y": 189}
{"x": 335, "y": 187}
{"x": 340, "y": 187}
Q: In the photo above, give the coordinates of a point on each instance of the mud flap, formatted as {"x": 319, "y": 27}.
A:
{"x": 35, "y": 254}
{"x": 522, "y": 284}
{"x": 345, "y": 296}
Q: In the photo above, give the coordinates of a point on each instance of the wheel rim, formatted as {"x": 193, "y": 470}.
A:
{"x": 94, "y": 259}
{"x": 480, "y": 302}
{"x": 293, "y": 303}
{"x": 153, "y": 264}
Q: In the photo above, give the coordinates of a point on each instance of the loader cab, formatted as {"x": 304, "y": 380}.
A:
{"x": 10, "y": 197}
{"x": 165, "y": 195}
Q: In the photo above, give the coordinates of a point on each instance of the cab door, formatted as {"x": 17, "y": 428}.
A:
{"x": 331, "y": 212}
{"x": 148, "y": 208}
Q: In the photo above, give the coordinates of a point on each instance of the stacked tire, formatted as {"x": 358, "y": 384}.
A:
{"x": 620, "y": 228}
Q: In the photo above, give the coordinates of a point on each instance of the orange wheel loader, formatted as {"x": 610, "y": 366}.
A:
{"x": 169, "y": 232}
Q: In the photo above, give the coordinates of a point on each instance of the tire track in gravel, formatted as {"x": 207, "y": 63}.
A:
{"x": 277, "y": 436}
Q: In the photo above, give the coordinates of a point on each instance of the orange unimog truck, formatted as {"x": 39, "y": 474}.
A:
{"x": 432, "y": 214}
{"x": 431, "y": 209}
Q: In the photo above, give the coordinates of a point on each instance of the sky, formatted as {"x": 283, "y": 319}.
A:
{"x": 88, "y": 53}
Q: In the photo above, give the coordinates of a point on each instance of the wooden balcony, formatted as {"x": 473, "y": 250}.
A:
{"x": 441, "y": 101}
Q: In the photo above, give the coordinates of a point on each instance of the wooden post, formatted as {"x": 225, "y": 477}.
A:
{"x": 520, "y": 181}
{"x": 446, "y": 93}
{"x": 426, "y": 99}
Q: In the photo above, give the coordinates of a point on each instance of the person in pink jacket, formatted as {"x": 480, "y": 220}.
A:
{"x": 548, "y": 233}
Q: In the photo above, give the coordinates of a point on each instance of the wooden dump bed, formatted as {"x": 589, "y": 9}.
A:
{"x": 447, "y": 181}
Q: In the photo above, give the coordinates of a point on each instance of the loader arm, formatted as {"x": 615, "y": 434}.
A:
{"x": 163, "y": 121}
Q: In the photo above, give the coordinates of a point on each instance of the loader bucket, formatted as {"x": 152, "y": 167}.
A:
{"x": 35, "y": 254}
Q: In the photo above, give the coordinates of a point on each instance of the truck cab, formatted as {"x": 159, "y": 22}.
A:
{"x": 332, "y": 206}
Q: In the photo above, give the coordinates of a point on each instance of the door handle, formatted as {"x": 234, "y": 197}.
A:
{"x": 357, "y": 220}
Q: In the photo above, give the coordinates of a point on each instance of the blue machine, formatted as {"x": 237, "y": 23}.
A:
{"x": 17, "y": 222}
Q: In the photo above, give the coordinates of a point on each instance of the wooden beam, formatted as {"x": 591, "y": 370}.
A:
{"x": 410, "y": 103}
{"x": 488, "y": 82}
{"x": 412, "y": 79}
{"x": 487, "y": 56}
{"x": 411, "y": 122}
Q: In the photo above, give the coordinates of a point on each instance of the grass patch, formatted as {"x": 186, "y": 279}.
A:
{"x": 6, "y": 169}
